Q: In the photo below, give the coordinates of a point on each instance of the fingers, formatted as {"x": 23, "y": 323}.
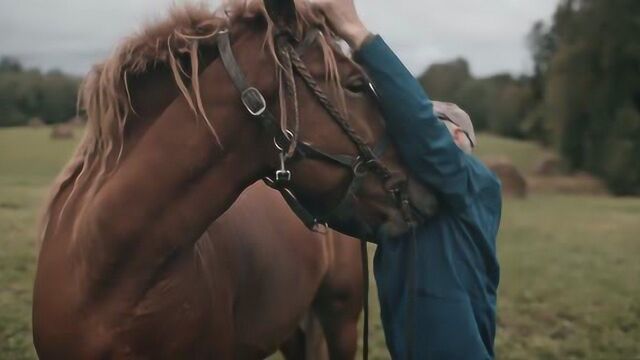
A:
{"x": 342, "y": 17}
{"x": 325, "y": 5}
{"x": 315, "y": 5}
{"x": 327, "y": 9}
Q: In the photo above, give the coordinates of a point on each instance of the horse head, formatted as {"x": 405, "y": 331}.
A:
{"x": 344, "y": 170}
{"x": 279, "y": 89}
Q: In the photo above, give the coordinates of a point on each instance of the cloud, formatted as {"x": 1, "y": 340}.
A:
{"x": 73, "y": 34}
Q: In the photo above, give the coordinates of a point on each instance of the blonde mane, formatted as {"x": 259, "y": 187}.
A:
{"x": 104, "y": 97}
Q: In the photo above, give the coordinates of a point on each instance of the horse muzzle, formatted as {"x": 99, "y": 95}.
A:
{"x": 413, "y": 205}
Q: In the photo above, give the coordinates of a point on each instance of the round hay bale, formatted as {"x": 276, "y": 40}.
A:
{"x": 35, "y": 122}
{"x": 62, "y": 132}
{"x": 513, "y": 182}
{"x": 549, "y": 165}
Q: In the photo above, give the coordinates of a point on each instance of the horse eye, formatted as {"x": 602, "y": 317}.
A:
{"x": 356, "y": 85}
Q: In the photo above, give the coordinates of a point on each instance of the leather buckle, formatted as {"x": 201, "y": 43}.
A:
{"x": 254, "y": 101}
{"x": 283, "y": 176}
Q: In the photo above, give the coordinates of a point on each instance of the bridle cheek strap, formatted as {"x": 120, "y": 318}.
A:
{"x": 251, "y": 97}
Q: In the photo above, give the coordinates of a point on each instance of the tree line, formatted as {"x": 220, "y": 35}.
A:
{"x": 583, "y": 97}
{"x": 26, "y": 95}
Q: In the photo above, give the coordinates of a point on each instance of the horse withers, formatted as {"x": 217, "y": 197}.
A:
{"x": 170, "y": 144}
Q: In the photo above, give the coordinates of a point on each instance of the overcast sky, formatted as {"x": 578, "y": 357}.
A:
{"x": 73, "y": 34}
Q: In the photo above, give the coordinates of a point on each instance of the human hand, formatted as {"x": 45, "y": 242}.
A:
{"x": 344, "y": 20}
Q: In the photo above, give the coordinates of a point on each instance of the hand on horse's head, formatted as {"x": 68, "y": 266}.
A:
{"x": 344, "y": 20}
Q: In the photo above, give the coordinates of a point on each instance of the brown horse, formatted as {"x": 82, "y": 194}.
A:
{"x": 123, "y": 270}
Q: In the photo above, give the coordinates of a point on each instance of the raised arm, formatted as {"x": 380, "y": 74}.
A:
{"x": 424, "y": 142}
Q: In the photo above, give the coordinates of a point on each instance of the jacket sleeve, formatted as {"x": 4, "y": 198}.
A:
{"x": 423, "y": 141}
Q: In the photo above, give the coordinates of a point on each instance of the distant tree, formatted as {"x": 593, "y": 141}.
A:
{"x": 25, "y": 94}
{"x": 542, "y": 44}
{"x": 498, "y": 103}
{"x": 444, "y": 80}
{"x": 475, "y": 97}
{"x": 9, "y": 64}
{"x": 58, "y": 98}
{"x": 592, "y": 92}
{"x": 512, "y": 101}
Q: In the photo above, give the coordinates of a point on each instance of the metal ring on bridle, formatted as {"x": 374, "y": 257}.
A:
{"x": 360, "y": 168}
{"x": 288, "y": 134}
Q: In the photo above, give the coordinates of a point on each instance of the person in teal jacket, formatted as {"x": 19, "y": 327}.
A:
{"x": 456, "y": 270}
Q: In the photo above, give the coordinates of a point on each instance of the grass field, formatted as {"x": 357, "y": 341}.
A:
{"x": 570, "y": 285}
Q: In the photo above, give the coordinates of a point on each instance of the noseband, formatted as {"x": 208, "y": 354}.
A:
{"x": 290, "y": 148}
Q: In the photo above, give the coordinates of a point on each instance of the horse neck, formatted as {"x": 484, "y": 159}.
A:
{"x": 174, "y": 179}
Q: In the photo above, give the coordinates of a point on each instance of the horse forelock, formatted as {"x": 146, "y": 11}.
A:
{"x": 105, "y": 97}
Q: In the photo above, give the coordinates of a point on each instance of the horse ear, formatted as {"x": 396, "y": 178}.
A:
{"x": 282, "y": 12}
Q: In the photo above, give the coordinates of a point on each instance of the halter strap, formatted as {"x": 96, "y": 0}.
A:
{"x": 251, "y": 97}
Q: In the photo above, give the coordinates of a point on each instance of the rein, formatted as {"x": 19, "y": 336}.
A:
{"x": 290, "y": 148}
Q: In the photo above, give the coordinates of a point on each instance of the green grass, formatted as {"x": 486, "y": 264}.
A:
{"x": 570, "y": 285}
{"x": 29, "y": 160}
{"x": 570, "y": 278}
{"x": 28, "y": 156}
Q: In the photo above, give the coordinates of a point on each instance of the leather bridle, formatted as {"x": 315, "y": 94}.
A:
{"x": 290, "y": 148}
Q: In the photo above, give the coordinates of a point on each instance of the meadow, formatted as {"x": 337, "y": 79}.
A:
{"x": 570, "y": 286}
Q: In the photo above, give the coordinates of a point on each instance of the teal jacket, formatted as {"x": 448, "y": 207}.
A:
{"x": 456, "y": 268}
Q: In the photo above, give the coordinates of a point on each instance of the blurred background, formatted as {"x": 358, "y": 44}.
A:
{"x": 552, "y": 85}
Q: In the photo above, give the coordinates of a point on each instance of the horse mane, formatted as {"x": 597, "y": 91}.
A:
{"x": 104, "y": 95}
